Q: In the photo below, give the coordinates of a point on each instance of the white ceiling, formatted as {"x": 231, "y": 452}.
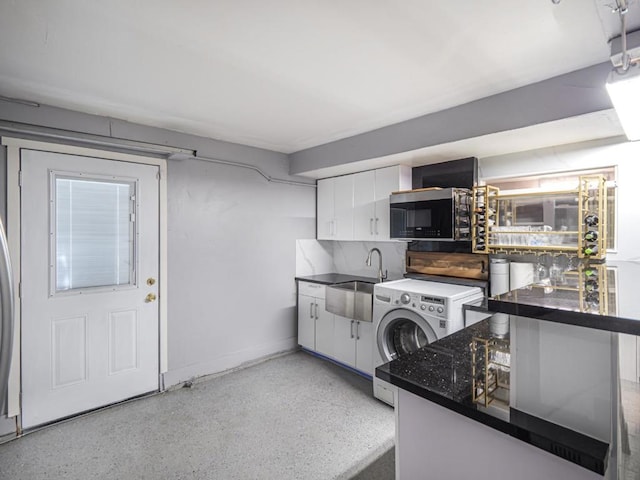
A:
{"x": 288, "y": 75}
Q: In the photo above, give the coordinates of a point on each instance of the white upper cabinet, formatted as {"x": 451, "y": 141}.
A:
{"x": 335, "y": 208}
{"x": 388, "y": 180}
{"x": 343, "y": 205}
{"x": 356, "y": 207}
{"x": 325, "y": 209}
{"x": 364, "y": 205}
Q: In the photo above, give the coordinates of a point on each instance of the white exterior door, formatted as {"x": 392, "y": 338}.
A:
{"x": 90, "y": 264}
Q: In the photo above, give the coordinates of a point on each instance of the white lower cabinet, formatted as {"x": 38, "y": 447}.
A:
{"x": 306, "y": 322}
{"x": 315, "y": 324}
{"x": 364, "y": 347}
{"x": 348, "y": 341}
{"x": 344, "y": 348}
{"x": 323, "y": 329}
{"x": 353, "y": 343}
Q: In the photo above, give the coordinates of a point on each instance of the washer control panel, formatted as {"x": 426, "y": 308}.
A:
{"x": 422, "y": 303}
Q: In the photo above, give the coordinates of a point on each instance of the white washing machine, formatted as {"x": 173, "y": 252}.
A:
{"x": 409, "y": 314}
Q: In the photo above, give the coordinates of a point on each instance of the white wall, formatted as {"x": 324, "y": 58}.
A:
{"x": 575, "y": 394}
{"x": 626, "y": 156}
{"x": 627, "y": 307}
{"x": 314, "y": 257}
{"x": 232, "y": 263}
{"x": 231, "y": 243}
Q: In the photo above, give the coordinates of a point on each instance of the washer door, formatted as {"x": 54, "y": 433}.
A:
{"x": 402, "y": 331}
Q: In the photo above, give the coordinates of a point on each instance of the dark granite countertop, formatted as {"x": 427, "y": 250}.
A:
{"x": 617, "y": 310}
{"x": 333, "y": 278}
{"x": 554, "y": 370}
{"x": 442, "y": 373}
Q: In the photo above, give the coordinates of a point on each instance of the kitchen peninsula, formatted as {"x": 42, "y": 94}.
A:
{"x": 553, "y": 402}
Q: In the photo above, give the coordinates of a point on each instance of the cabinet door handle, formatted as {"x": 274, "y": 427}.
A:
{"x": 335, "y": 227}
{"x": 357, "y": 330}
{"x": 377, "y": 220}
{"x": 311, "y": 310}
{"x": 371, "y": 226}
{"x": 351, "y": 330}
{"x": 316, "y": 311}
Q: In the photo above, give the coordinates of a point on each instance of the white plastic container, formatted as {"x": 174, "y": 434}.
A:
{"x": 499, "y": 276}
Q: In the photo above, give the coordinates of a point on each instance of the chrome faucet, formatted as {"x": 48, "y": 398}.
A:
{"x": 381, "y": 276}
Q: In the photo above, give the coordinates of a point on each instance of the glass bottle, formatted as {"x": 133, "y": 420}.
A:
{"x": 590, "y": 250}
{"x": 590, "y": 272}
{"x": 591, "y": 219}
{"x": 591, "y": 285}
{"x": 556, "y": 273}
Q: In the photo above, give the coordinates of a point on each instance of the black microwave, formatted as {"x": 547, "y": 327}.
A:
{"x": 431, "y": 214}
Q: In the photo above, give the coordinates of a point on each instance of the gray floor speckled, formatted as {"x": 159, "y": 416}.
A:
{"x": 384, "y": 468}
{"x": 291, "y": 417}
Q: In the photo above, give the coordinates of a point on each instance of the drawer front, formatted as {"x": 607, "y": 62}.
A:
{"x": 311, "y": 289}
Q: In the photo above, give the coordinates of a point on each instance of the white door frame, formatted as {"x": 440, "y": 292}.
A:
{"x": 14, "y": 231}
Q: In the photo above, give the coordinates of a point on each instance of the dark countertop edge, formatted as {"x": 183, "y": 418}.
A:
{"x": 333, "y": 278}
{"x": 569, "y": 317}
{"x": 596, "y": 462}
{"x": 477, "y": 307}
{"x": 469, "y": 282}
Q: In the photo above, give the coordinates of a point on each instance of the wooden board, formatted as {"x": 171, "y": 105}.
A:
{"x": 463, "y": 265}
{"x": 418, "y": 190}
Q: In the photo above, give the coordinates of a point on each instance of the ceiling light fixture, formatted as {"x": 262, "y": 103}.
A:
{"x": 623, "y": 84}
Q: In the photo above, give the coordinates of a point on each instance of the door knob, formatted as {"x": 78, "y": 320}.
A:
{"x": 151, "y": 297}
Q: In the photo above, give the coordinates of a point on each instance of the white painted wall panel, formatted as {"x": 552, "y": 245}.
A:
{"x": 436, "y": 443}
{"x": 232, "y": 261}
{"x": 575, "y": 394}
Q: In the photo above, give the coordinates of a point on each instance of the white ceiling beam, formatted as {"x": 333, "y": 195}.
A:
{"x": 565, "y": 96}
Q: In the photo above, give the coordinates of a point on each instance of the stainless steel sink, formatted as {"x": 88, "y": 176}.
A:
{"x": 351, "y": 299}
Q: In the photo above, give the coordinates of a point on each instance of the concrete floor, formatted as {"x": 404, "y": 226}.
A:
{"x": 291, "y": 417}
{"x": 384, "y": 468}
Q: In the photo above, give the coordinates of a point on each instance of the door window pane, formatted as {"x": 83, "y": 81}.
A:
{"x": 94, "y": 232}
